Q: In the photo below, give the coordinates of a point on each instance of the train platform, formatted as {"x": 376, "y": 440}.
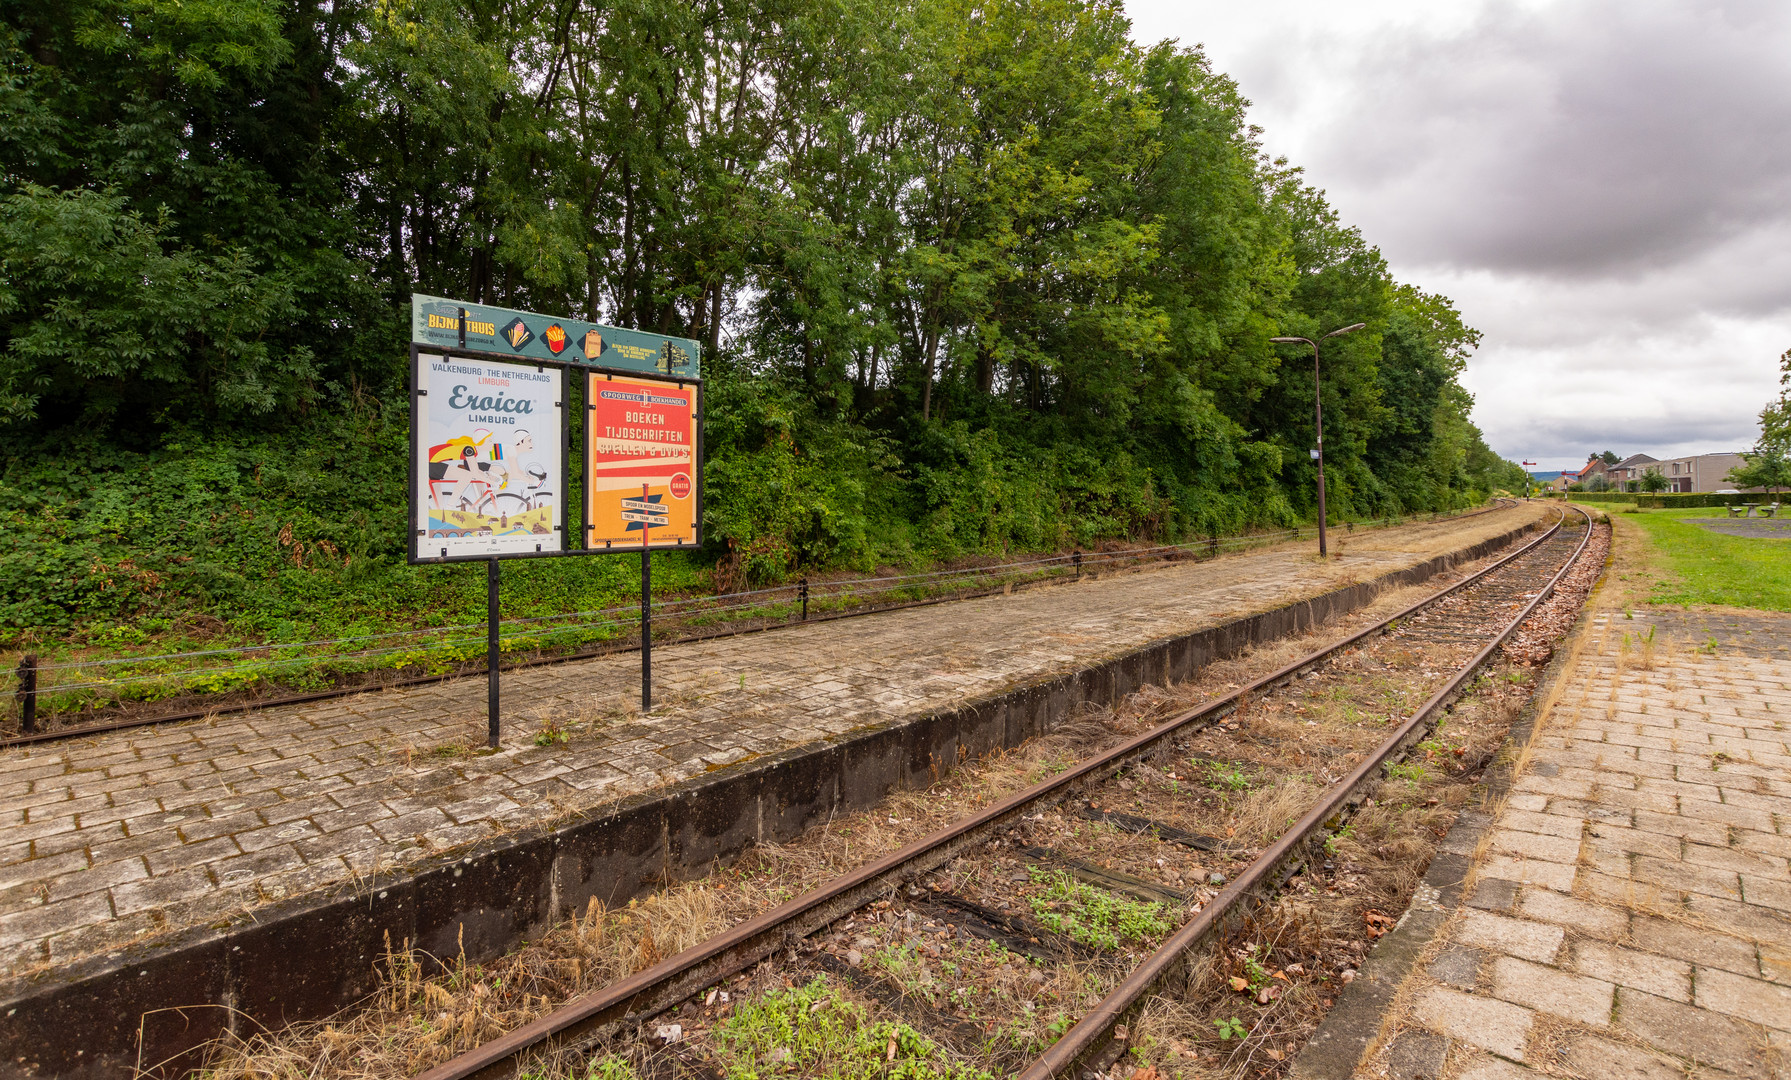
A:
{"x": 1623, "y": 908}
{"x": 190, "y": 839}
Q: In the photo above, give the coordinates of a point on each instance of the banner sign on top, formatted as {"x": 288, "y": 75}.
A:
{"x": 435, "y": 323}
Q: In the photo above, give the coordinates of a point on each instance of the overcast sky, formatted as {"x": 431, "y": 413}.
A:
{"x": 1602, "y": 186}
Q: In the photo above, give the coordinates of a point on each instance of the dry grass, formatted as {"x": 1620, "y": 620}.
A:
{"x": 416, "y": 1020}
{"x": 1190, "y": 1034}
{"x": 1267, "y": 812}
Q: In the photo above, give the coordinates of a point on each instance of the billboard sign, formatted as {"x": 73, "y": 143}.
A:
{"x": 436, "y": 322}
{"x": 641, "y": 453}
{"x": 489, "y": 462}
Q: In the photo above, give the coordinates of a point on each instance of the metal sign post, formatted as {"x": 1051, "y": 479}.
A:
{"x": 649, "y": 514}
{"x": 646, "y": 625}
{"x": 491, "y": 653}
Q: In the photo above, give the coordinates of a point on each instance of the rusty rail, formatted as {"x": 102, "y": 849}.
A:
{"x": 1093, "y": 1033}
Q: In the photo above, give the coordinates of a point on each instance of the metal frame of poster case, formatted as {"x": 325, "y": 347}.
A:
{"x": 696, "y": 423}
{"x": 417, "y": 536}
{"x": 413, "y": 549}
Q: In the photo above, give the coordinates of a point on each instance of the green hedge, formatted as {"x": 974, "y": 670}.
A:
{"x": 1603, "y": 496}
{"x": 1663, "y": 501}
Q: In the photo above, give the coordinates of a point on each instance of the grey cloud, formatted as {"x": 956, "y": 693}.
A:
{"x": 1600, "y": 136}
{"x": 1699, "y": 392}
{"x": 1571, "y": 439}
{"x": 1748, "y": 283}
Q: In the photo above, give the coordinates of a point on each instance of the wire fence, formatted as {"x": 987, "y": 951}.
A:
{"x": 58, "y": 685}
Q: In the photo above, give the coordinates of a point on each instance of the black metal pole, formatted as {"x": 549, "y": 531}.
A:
{"x": 28, "y": 693}
{"x": 646, "y": 612}
{"x": 491, "y": 653}
{"x": 804, "y": 593}
{"x": 1318, "y": 412}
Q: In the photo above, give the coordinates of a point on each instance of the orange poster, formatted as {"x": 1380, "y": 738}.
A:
{"x": 640, "y": 463}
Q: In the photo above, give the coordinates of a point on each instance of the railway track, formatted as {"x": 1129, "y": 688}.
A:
{"x": 1137, "y": 876}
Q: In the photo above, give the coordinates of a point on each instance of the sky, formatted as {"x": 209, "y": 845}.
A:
{"x": 1603, "y": 187}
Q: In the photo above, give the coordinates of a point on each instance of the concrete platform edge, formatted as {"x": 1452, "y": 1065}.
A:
{"x": 1353, "y": 1026}
{"x": 149, "y": 1007}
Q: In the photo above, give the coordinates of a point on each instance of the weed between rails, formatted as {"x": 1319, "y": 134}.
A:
{"x": 814, "y": 1031}
{"x": 1091, "y": 915}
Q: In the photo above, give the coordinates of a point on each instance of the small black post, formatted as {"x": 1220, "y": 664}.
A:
{"x": 1077, "y": 559}
{"x": 802, "y": 591}
{"x": 646, "y": 613}
{"x": 28, "y": 693}
{"x": 491, "y": 653}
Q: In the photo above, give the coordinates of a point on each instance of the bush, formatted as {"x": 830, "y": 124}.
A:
{"x": 1686, "y": 501}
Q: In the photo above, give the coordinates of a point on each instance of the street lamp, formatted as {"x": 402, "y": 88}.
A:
{"x": 1318, "y": 413}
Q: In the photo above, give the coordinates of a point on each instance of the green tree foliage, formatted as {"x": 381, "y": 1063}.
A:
{"x": 1768, "y": 465}
{"x": 1775, "y": 419}
{"x": 973, "y": 275}
{"x": 173, "y": 244}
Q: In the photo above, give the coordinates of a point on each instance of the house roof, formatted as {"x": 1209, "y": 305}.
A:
{"x": 1634, "y": 459}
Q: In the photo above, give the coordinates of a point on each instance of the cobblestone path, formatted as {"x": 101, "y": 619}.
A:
{"x": 1629, "y": 912}
{"x": 117, "y": 837}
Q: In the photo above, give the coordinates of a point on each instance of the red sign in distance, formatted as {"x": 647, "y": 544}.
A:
{"x": 680, "y": 486}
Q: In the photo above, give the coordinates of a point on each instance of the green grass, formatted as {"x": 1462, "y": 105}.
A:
{"x": 607, "y": 1067}
{"x": 812, "y": 1031}
{"x": 1093, "y": 916}
{"x": 1225, "y": 778}
{"x": 1702, "y": 567}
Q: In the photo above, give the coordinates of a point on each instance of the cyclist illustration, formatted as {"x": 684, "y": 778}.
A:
{"x": 532, "y": 497}
{"x": 476, "y": 459}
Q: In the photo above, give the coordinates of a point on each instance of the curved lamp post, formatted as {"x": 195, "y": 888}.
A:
{"x": 1318, "y": 414}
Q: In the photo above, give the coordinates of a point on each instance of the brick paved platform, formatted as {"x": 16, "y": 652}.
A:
{"x": 121, "y": 839}
{"x": 1628, "y": 910}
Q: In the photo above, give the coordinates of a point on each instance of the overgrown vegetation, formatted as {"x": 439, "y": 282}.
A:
{"x": 1093, "y": 916}
{"x": 812, "y": 1030}
{"x": 972, "y": 279}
